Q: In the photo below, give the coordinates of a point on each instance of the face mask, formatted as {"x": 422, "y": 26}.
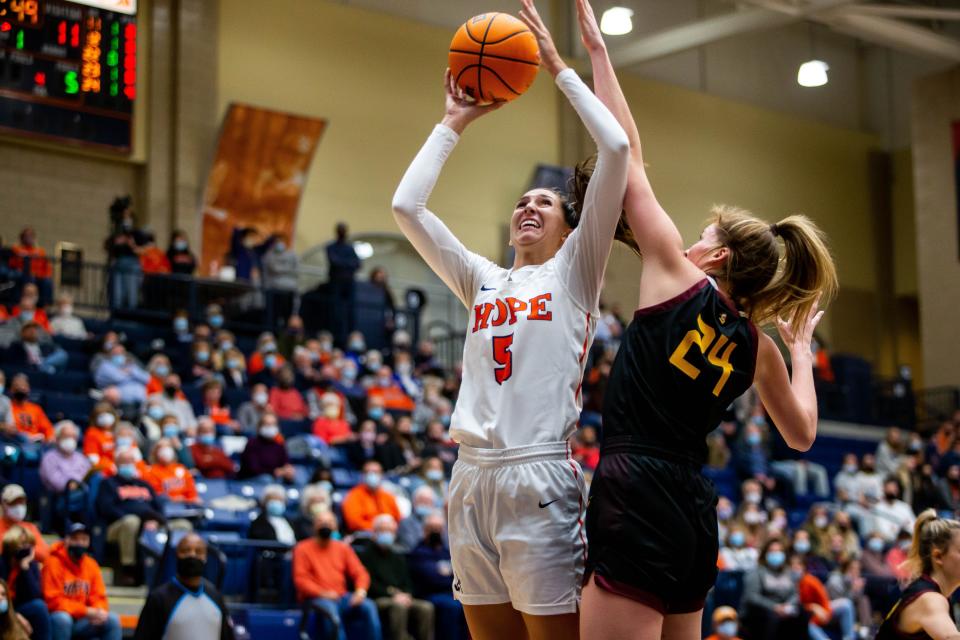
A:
{"x": 434, "y": 475}
{"x": 727, "y": 629}
{"x": 875, "y": 545}
{"x": 752, "y": 517}
{"x": 357, "y": 345}
{"x": 76, "y": 551}
{"x": 2, "y": 387}
{"x": 180, "y": 245}
{"x": 268, "y": 347}
{"x": 68, "y": 445}
{"x": 118, "y": 359}
{"x": 208, "y": 439}
{"x": 26, "y": 315}
{"x": 736, "y": 539}
{"x": 796, "y": 574}
{"x": 235, "y": 364}
{"x": 127, "y": 471}
{"x": 905, "y": 545}
{"x": 203, "y": 356}
{"x": 317, "y": 508}
{"x": 801, "y": 546}
{"x": 372, "y": 479}
{"x": 753, "y": 439}
{"x": 270, "y": 361}
{"x": 275, "y": 508}
{"x": 331, "y": 411}
{"x": 385, "y": 539}
{"x": 124, "y": 442}
{"x": 215, "y": 321}
{"x": 326, "y": 485}
{"x": 724, "y": 513}
{"x": 180, "y": 325}
{"x": 17, "y": 512}
{"x": 376, "y": 412}
{"x": 269, "y": 431}
{"x": 349, "y": 374}
{"x": 260, "y": 398}
{"x": 326, "y": 347}
{"x": 108, "y": 345}
{"x": 778, "y": 523}
{"x": 66, "y": 310}
{"x": 190, "y": 567}
{"x": 752, "y": 497}
{"x": 891, "y": 496}
{"x": 279, "y": 246}
{"x": 385, "y": 381}
{"x": 171, "y": 390}
{"x": 105, "y": 420}
{"x": 368, "y": 437}
{"x": 324, "y": 533}
{"x": 161, "y": 371}
{"x": 165, "y": 455}
{"x": 423, "y": 510}
{"x": 171, "y": 431}
{"x": 434, "y": 538}
{"x": 19, "y": 396}
{"x": 445, "y": 420}
{"x": 820, "y": 522}
{"x": 404, "y": 369}
{"x": 776, "y": 559}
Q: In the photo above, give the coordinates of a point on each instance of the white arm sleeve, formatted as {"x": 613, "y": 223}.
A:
{"x": 457, "y": 267}
{"x": 586, "y": 250}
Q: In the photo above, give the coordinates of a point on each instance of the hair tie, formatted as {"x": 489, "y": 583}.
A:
{"x": 774, "y": 230}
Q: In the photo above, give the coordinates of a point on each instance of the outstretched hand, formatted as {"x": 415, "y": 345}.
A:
{"x": 549, "y": 57}
{"x": 460, "y": 109}
{"x": 589, "y": 30}
{"x": 798, "y": 335}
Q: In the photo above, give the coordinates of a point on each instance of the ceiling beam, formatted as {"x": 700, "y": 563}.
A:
{"x": 910, "y": 13}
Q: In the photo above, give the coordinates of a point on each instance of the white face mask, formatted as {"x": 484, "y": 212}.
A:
{"x": 331, "y": 411}
{"x": 269, "y": 431}
{"x": 17, "y": 512}
{"x": 68, "y": 445}
{"x": 260, "y": 398}
{"x": 165, "y": 455}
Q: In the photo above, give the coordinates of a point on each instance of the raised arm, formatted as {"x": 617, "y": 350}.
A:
{"x": 586, "y": 250}
{"x": 446, "y": 255}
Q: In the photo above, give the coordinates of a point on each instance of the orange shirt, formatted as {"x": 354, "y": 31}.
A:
{"x": 31, "y": 420}
{"x": 39, "y": 267}
{"x": 154, "y": 385}
{"x": 255, "y": 364}
{"x": 318, "y": 569}
{"x": 42, "y": 550}
{"x": 172, "y": 480}
{"x": 361, "y": 506}
{"x": 812, "y": 591}
{"x": 219, "y": 415}
{"x": 39, "y": 316}
{"x": 98, "y": 445}
{"x": 72, "y": 587}
{"x": 154, "y": 260}
{"x": 393, "y": 397}
{"x": 328, "y": 430}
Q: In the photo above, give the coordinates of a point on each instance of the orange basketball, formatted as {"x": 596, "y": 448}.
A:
{"x": 494, "y": 56}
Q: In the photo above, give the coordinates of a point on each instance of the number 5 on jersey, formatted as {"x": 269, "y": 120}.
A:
{"x": 504, "y": 357}
{"x": 704, "y": 338}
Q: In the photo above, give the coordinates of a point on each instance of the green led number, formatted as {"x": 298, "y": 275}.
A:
{"x": 70, "y": 82}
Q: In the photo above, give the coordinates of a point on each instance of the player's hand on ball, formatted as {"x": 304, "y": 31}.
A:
{"x": 460, "y": 109}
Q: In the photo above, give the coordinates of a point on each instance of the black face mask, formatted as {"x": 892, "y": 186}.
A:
{"x": 23, "y": 553}
{"x": 19, "y": 396}
{"x": 891, "y": 496}
{"x": 190, "y": 567}
{"x": 171, "y": 390}
{"x": 324, "y": 533}
{"x": 435, "y": 539}
{"x": 76, "y": 551}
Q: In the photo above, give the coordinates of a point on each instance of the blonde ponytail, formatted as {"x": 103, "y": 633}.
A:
{"x": 929, "y": 533}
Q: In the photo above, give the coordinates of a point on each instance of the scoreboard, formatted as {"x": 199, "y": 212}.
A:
{"x": 68, "y": 70}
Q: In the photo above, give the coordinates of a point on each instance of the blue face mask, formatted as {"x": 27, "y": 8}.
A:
{"x": 422, "y": 510}
{"x": 155, "y": 411}
{"x": 226, "y": 345}
{"x": 376, "y": 412}
{"x": 326, "y": 485}
{"x": 124, "y": 442}
{"x": 801, "y": 546}
{"x": 118, "y": 359}
{"x": 753, "y": 439}
{"x": 434, "y": 475}
{"x": 203, "y": 356}
{"x": 180, "y": 245}
{"x": 280, "y": 246}
{"x": 215, "y": 321}
{"x": 26, "y": 315}
{"x": 127, "y": 471}
{"x": 727, "y": 629}
{"x": 171, "y": 431}
{"x": 385, "y": 539}
{"x": 736, "y": 539}
{"x": 270, "y": 361}
{"x": 445, "y": 420}
{"x": 4, "y": 605}
{"x": 180, "y": 325}
{"x": 776, "y": 559}
{"x": 372, "y": 479}
{"x": 208, "y": 440}
{"x": 162, "y": 370}
{"x": 875, "y": 545}
{"x": 275, "y": 508}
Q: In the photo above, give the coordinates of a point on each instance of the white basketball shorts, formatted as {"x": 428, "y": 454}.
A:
{"x": 516, "y": 528}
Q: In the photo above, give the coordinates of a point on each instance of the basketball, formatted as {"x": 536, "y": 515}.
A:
{"x": 493, "y": 57}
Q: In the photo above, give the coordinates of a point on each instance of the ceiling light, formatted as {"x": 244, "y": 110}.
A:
{"x": 813, "y": 73}
{"x": 617, "y": 21}
{"x": 363, "y": 250}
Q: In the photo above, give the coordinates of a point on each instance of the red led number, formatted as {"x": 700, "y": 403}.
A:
{"x": 503, "y": 357}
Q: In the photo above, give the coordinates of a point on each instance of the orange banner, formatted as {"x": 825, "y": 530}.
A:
{"x": 257, "y": 178}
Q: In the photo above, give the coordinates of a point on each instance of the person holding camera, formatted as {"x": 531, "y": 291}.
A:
{"x": 123, "y": 255}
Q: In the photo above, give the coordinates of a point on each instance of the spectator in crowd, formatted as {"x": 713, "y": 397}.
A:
{"x": 437, "y": 443}
{"x": 169, "y": 478}
{"x": 897, "y": 557}
{"x": 21, "y": 572}
{"x": 942, "y": 494}
{"x": 30, "y": 260}
{"x": 208, "y": 458}
{"x": 99, "y": 444}
{"x": 286, "y": 400}
{"x": 321, "y": 568}
{"x": 891, "y": 515}
{"x": 869, "y": 482}
{"x": 152, "y": 258}
{"x": 802, "y": 547}
{"x": 410, "y": 529}
{"x": 181, "y": 328}
{"x": 431, "y": 574}
{"x": 125, "y": 272}
{"x": 941, "y": 443}
{"x": 181, "y": 259}
{"x": 890, "y": 452}
{"x": 235, "y": 370}
{"x": 64, "y": 323}
{"x": 330, "y": 426}
{"x": 725, "y": 624}
{"x": 587, "y": 451}
{"x": 200, "y": 366}
{"x": 251, "y": 412}
{"x": 431, "y": 472}
{"x": 314, "y": 500}
{"x": 368, "y": 499}
{"x": 188, "y": 607}
{"x": 128, "y": 503}
{"x": 343, "y": 264}
{"x": 724, "y": 516}
{"x": 816, "y": 602}
{"x": 845, "y": 483}
{"x": 109, "y": 339}
{"x": 74, "y": 591}
{"x": 400, "y": 453}
{"x": 280, "y": 266}
{"x": 150, "y": 420}
{"x": 386, "y": 387}
{"x": 246, "y": 253}
{"x": 35, "y": 349}
{"x": 31, "y": 421}
{"x": 6, "y": 410}
{"x": 214, "y": 406}
{"x": 817, "y": 526}
{"x": 177, "y": 436}
{"x": 736, "y": 554}
{"x": 63, "y": 466}
{"x": 265, "y": 453}
{"x": 771, "y": 603}
{"x": 752, "y": 460}
{"x": 265, "y": 358}
{"x": 224, "y": 340}
{"x": 872, "y": 558}
{"x": 159, "y": 368}
{"x": 349, "y": 383}
{"x": 14, "y": 503}
{"x": 272, "y": 524}
{"x": 846, "y": 581}
{"x": 173, "y": 402}
{"x": 123, "y": 372}
{"x": 378, "y": 278}
{"x": 842, "y": 526}
{"x": 391, "y": 587}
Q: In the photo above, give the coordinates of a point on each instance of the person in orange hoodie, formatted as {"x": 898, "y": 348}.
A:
{"x": 152, "y": 258}
{"x": 394, "y": 397}
{"x": 40, "y": 270}
{"x": 29, "y": 418}
{"x": 368, "y": 499}
{"x": 28, "y": 309}
{"x": 14, "y": 502}
{"x": 321, "y": 567}
{"x": 74, "y": 591}
{"x": 168, "y": 477}
{"x": 823, "y": 611}
{"x": 725, "y": 625}
{"x": 99, "y": 444}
